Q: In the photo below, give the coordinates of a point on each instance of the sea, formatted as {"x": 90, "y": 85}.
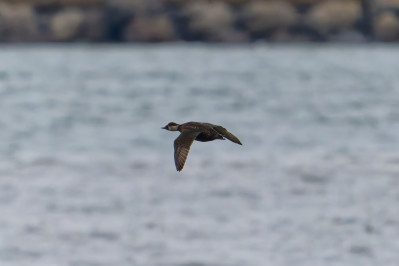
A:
{"x": 87, "y": 175}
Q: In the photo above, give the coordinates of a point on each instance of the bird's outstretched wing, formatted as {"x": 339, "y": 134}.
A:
{"x": 182, "y": 147}
{"x": 225, "y": 133}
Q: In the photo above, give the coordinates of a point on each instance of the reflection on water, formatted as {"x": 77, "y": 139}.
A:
{"x": 87, "y": 176}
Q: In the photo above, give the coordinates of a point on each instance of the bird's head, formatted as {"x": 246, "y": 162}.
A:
{"x": 172, "y": 126}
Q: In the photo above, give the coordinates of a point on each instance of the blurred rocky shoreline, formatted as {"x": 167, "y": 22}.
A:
{"x": 232, "y": 21}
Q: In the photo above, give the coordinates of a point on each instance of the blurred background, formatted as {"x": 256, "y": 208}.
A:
{"x": 87, "y": 176}
{"x": 227, "y": 21}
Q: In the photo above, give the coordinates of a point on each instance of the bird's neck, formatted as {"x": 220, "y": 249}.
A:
{"x": 174, "y": 128}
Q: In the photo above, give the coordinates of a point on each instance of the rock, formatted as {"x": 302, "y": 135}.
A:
{"x": 209, "y": 21}
{"x": 59, "y": 3}
{"x": 284, "y": 36}
{"x": 175, "y": 2}
{"x": 231, "y": 35}
{"x": 334, "y": 15}
{"x": 228, "y": 2}
{"x": 67, "y": 25}
{"x": 150, "y": 29}
{"x": 199, "y": 20}
{"x": 235, "y": 2}
{"x": 78, "y": 3}
{"x": 351, "y": 36}
{"x": 384, "y": 4}
{"x": 94, "y": 28}
{"x": 137, "y": 6}
{"x": 386, "y": 27}
{"x": 304, "y": 2}
{"x": 120, "y": 13}
{"x": 262, "y": 17}
{"x": 17, "y": 23}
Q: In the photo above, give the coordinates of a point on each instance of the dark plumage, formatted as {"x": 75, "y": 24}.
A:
{"x": 191, "y": 131}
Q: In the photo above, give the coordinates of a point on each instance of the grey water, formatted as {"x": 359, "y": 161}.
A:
{"x": 87, "y": 176}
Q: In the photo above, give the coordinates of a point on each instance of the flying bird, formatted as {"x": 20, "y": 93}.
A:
{"x": 199, "y": 131}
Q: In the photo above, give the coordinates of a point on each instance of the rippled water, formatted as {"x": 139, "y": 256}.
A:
{"x": 87, "y": 176}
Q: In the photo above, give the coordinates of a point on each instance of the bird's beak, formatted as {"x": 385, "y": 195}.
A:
{"x": 165, "y": 127}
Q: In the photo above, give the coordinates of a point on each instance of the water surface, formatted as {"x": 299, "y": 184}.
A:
{"x": 87, "y": 176}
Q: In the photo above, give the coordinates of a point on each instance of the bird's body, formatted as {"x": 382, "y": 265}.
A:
{"x": 199, "y": 131}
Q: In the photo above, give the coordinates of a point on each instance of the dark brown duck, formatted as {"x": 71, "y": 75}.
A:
{"x": 199, "y": 131}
